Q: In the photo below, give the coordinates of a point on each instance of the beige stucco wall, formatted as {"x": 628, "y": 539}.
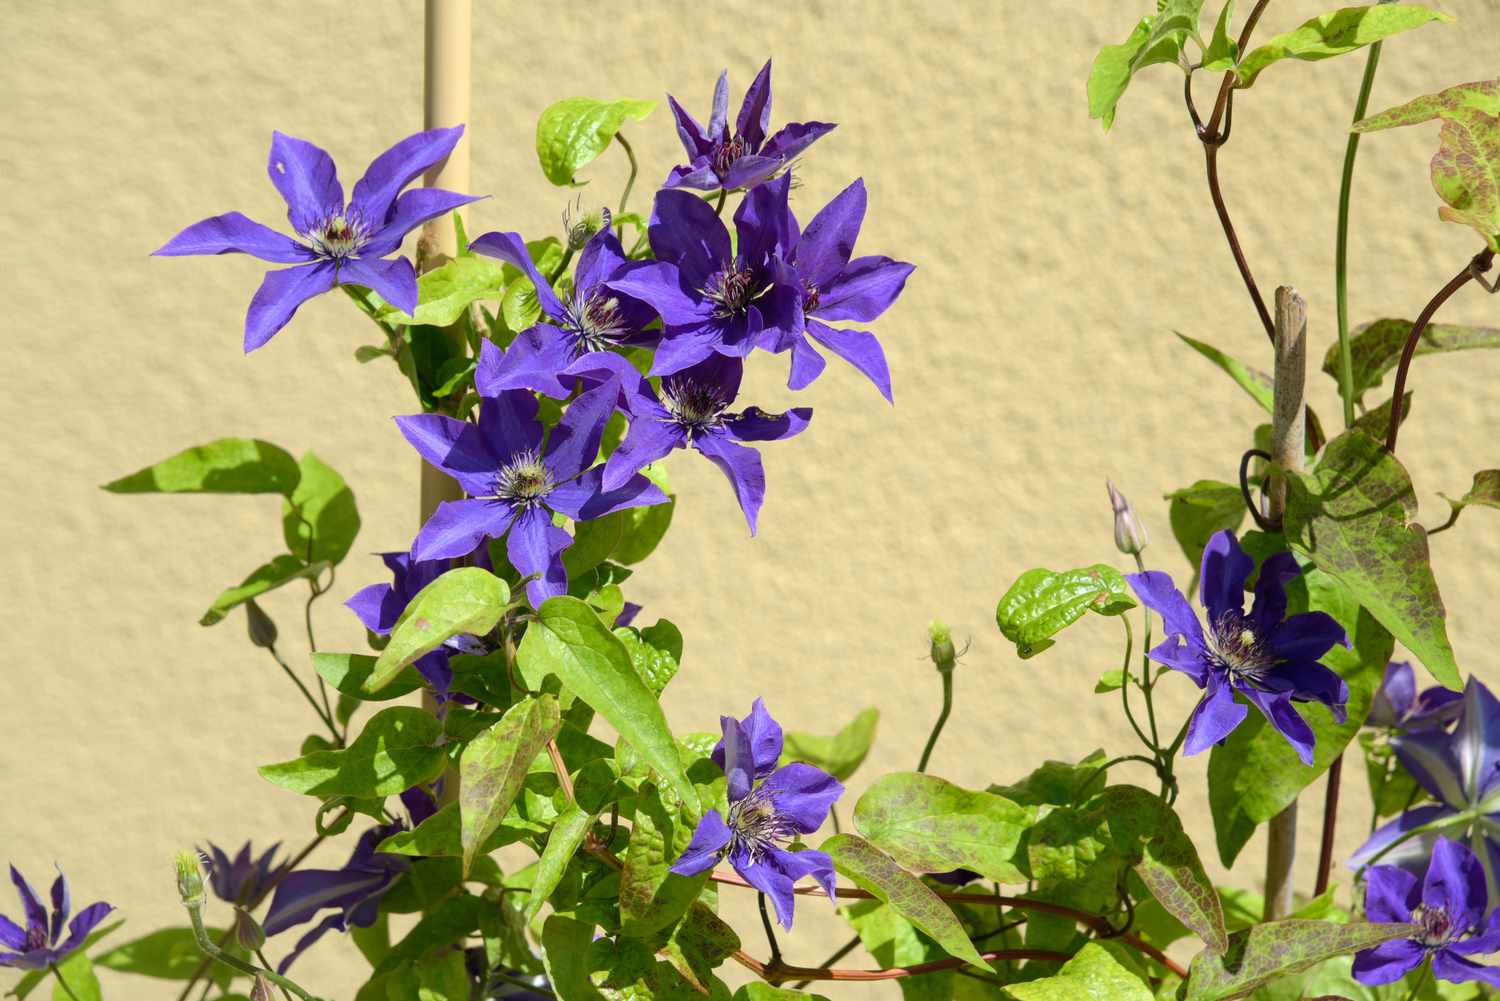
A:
{"x": 1032, "y": 355}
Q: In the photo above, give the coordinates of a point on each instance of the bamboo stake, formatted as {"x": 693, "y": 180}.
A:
{"x": 1288, "y": 448}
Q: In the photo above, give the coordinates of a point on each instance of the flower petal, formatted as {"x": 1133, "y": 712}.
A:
{"x": 795, "y": 137}
{"x": 31, "y": 902}
{"x": 765, "y": 737}
{"x": 736, "y": 757}
{"x": 234, "y": 233}
{"x": 1158, "y": 593}
{"x": 743, "y": 467}
{"x": 370, "y": 605}
{"x": 1394, "y": 844}
{"x": 599, "y": 260}
{"x": 694, "y": 141}
{"x": 584, "y": 498}
{"x": 305, "y": 892}
{"x": 573, "y": 444}
{"x": 686, "y": 232}
{"x": 1390, "y": 894}
{"x": 648, "y": 440}
{"x": 1214, "y": 718}
{"x": 278, "y": 297}
{"x": 1270, "y": 591}
{"x": 1455, "y": 882}
{"x": 1429, "y": 757}
{"x": 769, "y": 880}
{"x": 1476, "y": 740}
{"x": 307, "y": 179}
{"x": 699, "y": 175}
{"x": 749, "y": 171}
{"x": 1281, "y": 714}
{"x": 755, "y": 110}
{"x": 532, "y": 361}
{"x": 660, "y": 286}
{"x": 679, "y": 352}
{"x": 807, "y": 364}
{"x": 1454, "y": 968}
{"x": 1307, "y": 636}
{"x": 764, "y": 223}
{"x": 333, "y": 922}
{"x": 412, "y": 210}
{"x": 1395, "y": 696}
{"x": 12, "y": 935}
{"x": 718, "y": 118}
{"x": 704, "y": 850}
{"x": 83, "y": 922}
{"x": 535, "y": 546}
{"x": 757, "y": 425}
{"x": 453, "y": 446}
{"x": 1485, "y": 942}
{"x": 1387, "y": 962}
{"x": 458, "y": 527}
{"x": 803, "y": 794}
{"x": 397, "y": 167}
{"x": 795, "y": 865}
{"x": 1310, "y": 681}
{"x": 62, "y": 905}
{"x": 510, "y": 248}
{"x": 1225, "y": 569}
{"x": 394, "y": 280}
{"x": 828, "y": 241}
{"x": 857, "y": 347}
{"x": 509, "y": 423}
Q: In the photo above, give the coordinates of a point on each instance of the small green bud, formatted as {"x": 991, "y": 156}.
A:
{"x": 247, "y": 931}
{"x": 1130, "y": 535}
{"x": 261, "y": 991}
{"x": 581, "y": 229}
{"x": 262, "y": 629}
{"x": 190, "y": 878}
{"x": 944, "y": 657}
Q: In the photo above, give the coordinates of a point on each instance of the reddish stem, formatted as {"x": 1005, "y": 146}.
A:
{"x": 778, "y": 972}
{"x": 1330, "y": 819}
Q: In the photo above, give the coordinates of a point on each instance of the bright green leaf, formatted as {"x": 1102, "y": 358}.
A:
{"x": 466, "y": 600}
{"x": 1223, "y": 50}
{"x": 1485, "y": 492}
{"x": 1253, "y": 381}
{"x": 83, "y": 983}
{"x": 279, "y": 572}
{"x": 319, "y": 520}
{"x": 565, "y": 950}
{"x": 1091, "y": 975}
{"x": 651, "y": 896}
{"x": 495, "y": 763}
{"x": 445, "y": 292}
{"x": 1267, "y": 952}
{"x": 1043, "y": 602}
{"x": 226, "y": 466}
{"x": 1334, "y": 34}
{"x": 562, "y": 843}
{"x": 1376, "y": 348}
{"x": 759, "y": 991}
{"x": 928, "y": 824}
{"x": 1156, "y": 39}
{"x": 572, "y": 132}
{"x": 350, "y": 674}
{"x": 167, "y": 954}
{"x": 838, "y": 755}
{"x": 1110, "y": 681}
{"x": 655, "y": 652}
{"x": 394, "y": 752}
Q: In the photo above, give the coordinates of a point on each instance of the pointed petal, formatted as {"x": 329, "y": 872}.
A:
{"x": 749, "y": 171}
{"x": 278, "y": 297}
{"x": 1395, "y": 696}
{"x": 458, "y": 527}
{"x": 412, "y": 210}
{"x": 393, "y": 280}
{"x": 397, "y": 167}
{"x": 1391, "y": 845}
{"x": 600, "y": 258}
{"x": 532, "y": 361}
{"x": 1214, "y": 718}
{"x": 699, "y": 175}
{"x": 12, "y": 935}
{"x": 234, "y": 233}
{"x": 307, "y": 179}
{"x": 769, "y": 880}
{"x": 1454, "y": 968}
{"x": 509, "y": 423}
{"x": 857, "y": 347}
{"x": 803, "y": 795}
{"x": 818, "y": 865}
{"x": 755, "y": 111}
{"x": 735, "y": 755}
{"x": 679, "y": 352}
{"x": 62, "y": 905}
{"x": 694, "y": 141}
{"x": 1429, "y": 757}
{"x": 83, "y": 923}
{"x": 795, "y": 137}
{"x": 864, "y": 289}
{"x": 718, "y": 118}
{"x": 1270, "y": 591}
{"x": 743, "y": 467}
{"x": 1309, "y": 681}
{"x": 584, "y": 498}
{"x": 1485, "y": 942}
{"x": 455, "y": 447}
{"x": 806, "y": 366}
{"x": 510, "y": 248}
{"x": 757, "y": 425}
{"x": 1455, "y": 882}
{"x": 1180, "y": 654}
{"x": 303, "y": 893}
{"x": 1158, "y": 593}
{"x": 1307, "y": 636}
{"x": 333, "y": 922}
{"x": 536, "y": 546}
{"x": 1391, "y": 893}
{"x": 31, "y": 902}
{"x": 370, "y": 605}
{"x": 686, "y": 232}
{"x": 828, "y": 241}
{"x": 704, "y": 850}
{"x": 648, "y": 440}
{"x": 764, "y": 222}
{"x": 765, "y": 738}
{"x": 573, "y": 444}
{"x": 1281, "y": 714}
{"x": 659, "y": 285}
{"x": 1222, "y": 577}
{"x": 1476, "y": 740}
{"x": 1387, "y": 962}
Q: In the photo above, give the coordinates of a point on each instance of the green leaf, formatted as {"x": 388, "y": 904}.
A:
{"x": 1156, "y": 39}
{"x": 593, "y": 541}
{"x": 494, "y": 764}
{"x": 651, "y": 896}
{"x": 167, "y": 954}
{"x": 1266, "y": 952}
{"x": 1223, "y": 50}
{"x": 699, "y": 943}
{"x": 655, "y": 652}
{"x": 759, "y": 991}
{"x": 565, "y": 949}
{"x": 226, "y": 466}
{"x": 1376, "y": 348}
{"x": 1485, "y": 492}
{"x": 1110, "y": 681}
{"x": 350, "y": 674}
{"x": 279, "y": 572}
{"x": 393, "y": 753}
{"x": 465, "y": 600}
{"x": 319, "y": 520}
{"x": 1056, "y": 783}
{"x": 1043, "y": 602}
{"x": 1255, "y": 773}
{"x": 445, "y": 292}
{"x": 1253, "y": 381}
{"x": 928, "y": 824}
{"x": 644, "y": 529}
{"x": 876, "y": 872}
{"x": 562, "y": 843}
{"x": 82, "y": 981}
{"x": 1091, "y": 975}
{"x": 838, "y": 755}
{"x": 1079, "y": 854}
{"x": 1334, "y": 34}
{"x": 573, "y": 131}
{"x": 1173, "y": 872}
{"x": 1353, "y": 517}
{"x": 1454, "y": 103}
{"x": 1198, "y": 511}
{"x": 1377, "y": 422}
{"x": 569, "y": 640}
{"x": 438, "y": 836}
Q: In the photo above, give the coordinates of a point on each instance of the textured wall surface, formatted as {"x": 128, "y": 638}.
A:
{"x": 1032, "y": 352}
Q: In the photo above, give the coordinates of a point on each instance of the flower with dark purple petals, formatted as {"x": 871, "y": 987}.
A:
{"x": 243, "y": 880}
{"x": 742, "y": 158}
{"x": 1447, "y": 911}
{"x": 835, "y": 288}
{"x": 714, "y": 297}
{"x": 1462, "y": 772}
{"x": 593, "y": 318}
{"x": 514, "y": 483}
{"x": 337, "y": 243}
{"x": 1397, "y": 706}
{"x": 693, "y": 409}
{"x": 954, "y": 877}
{"x": 1269, "y": 658}
{"x": 40, "y": 943}
{"x": 768, "y": 807}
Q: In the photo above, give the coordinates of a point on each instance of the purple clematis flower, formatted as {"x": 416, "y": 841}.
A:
{"x": 768, "y": 806}
{"x": 1268, "y": 658}
{"x": 1462, "y": 772}
{"x": 338, "y": 243}
{"x": 693, "y": 410}
{"x": 595, "y": 318}
{"x": 512, "y": 481}
{"x": 719, "y": 158}
{"x": 713, "y": 297}
{"x": 40, "y": 944}
{"x": 1397, "y": 706}
{"x": 244, "y": 880}
{"x": 354, "y": 891}
{"x": 1447, "y": 910}
{"x": 836, "y": 288}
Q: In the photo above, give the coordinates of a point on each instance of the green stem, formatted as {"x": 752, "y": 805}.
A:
{"x": 719, "y": 208}
{"x": 260, "y": 954}
{"x": 65, "y": 986}
{"x": 308, "y": 695}
{"x": 937, "y": 728}
{"x": 234, "y": 962}
{"x": 312, "y": 646}
{"x": 630, "y": 181}
{"x": 1341, "y": 248}
{"x": 562, "y": 265}
{"x": 1416, "y": 988}
{"x": 1125, "y": 687}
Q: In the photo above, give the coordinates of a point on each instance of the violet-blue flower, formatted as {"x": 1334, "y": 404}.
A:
{"x": 1267, "y": 657}
{"x": 1398, "y": 706}
{"x": 744, "y": 157}
{"x": 1462, "y": 772}
{"x": 245, "y": 879}
{"x": 693, "y": 409}
{"x": 714, "y": 297}
{"x": 768, "y": 807}
{"x": 595, "y": 318}
{"x": 337, "y": 243}
{"x": 1447, "y": 909}
{"x": 835, "y": 288}
{"x": 40, "y": 944}
{"x": 512, "y": 481}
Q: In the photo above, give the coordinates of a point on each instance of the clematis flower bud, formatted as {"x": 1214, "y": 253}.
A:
{"x": 1130, "y": 534}
{"x": 262, "y": 629}
{"x": 247, "y": 931}
{"x": 189, "y": 878}
{"x": 262, "y": 989}
{"x": 582, "y": 228}
{"x": 944, "y": 657}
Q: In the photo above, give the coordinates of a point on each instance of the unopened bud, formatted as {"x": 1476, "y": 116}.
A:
{"x": 189, "y": 878}
{"x": 582, "y": 228}
{"x": 247, "y": 931}
{"x": 261, "y": 991}
{"x": 1130, "y": 534}
{"x": 944, "y": 657}
{"x": 262, "y": 629}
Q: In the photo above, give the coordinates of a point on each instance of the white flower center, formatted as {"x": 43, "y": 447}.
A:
{"x": 337, "y": 237}
{"x": 524, "y": 480}
{"x": 1239, "y": 649}
{"x": 694, "y": 407}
